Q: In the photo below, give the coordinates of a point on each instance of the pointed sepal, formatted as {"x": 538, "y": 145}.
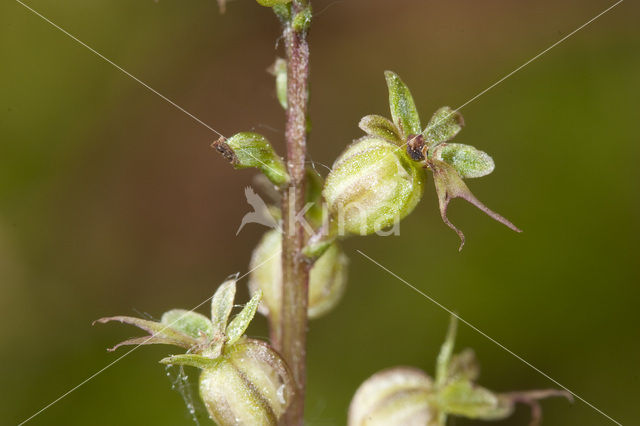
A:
{"x": 468, "y": 161}
{"x": 190, "y": 360}
{"x": 446, "y": 352}
{"x": 188, "y": 322}
{"x": 221, "y": 306}
{"x": 376, "y": 125}
{"x": 240, "y": 323}
{"x": 403, "y": 109}
{"x": 158, "y": 333}
{"x": 530, "y": 398}
{"x": 449, "y": 185}
{"x": 444, "y": 125}
{"x": 463, "y": 398}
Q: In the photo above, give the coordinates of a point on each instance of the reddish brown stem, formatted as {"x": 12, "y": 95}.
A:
{"x": 293, "y": 325}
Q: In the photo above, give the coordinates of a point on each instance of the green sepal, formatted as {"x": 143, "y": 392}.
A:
{"x": 221, "y": 306}
{"x": 463, "y": 398}
{"x": 468, "y": 161}
{"x": 188, "y": 322}
{"x": 403, "y": 109}
{"x": 248, "y": 149}
{"x": 191, "y": 360}
{"x": 240, "y": 323}
{"x": 449, "y": 185}
{"x": 279, "y": 71}
{"x": 444, "y": 125}
{"x": 158, "y": 333}
{"x": 376, "y": 125}
{"x": 272, "y": 3}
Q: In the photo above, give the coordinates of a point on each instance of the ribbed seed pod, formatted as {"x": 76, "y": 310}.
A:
{"x": 243, "y": 381}
{"x": 394, "y": 397}
{"x": 327, "y": 278}
{"x": 250, "y": 386}
{"x": 373, "y": 185}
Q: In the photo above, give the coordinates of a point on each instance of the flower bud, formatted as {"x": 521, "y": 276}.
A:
{"x": 327, "y": 278}
{"x": 373, "y": 185}
{"x": 394, "y": 397}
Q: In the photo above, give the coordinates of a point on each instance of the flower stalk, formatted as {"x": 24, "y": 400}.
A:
{"x": 290, "y": 338}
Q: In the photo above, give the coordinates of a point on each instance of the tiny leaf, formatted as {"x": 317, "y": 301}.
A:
{"x": 468, "y": 161}
{"x": 403, "y": 109}
{"x": 449, "y": 185}
{"x": 443, "y": 126}
{"x": 247, "y": 149}
{"x": 376, "y": 125}
{"x": 221, "y": 306}
{"x": 240, "y": 323}
{"x": 188, "y": 322}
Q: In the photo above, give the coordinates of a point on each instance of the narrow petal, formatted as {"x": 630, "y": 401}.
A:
{"x": 449, "y": 185}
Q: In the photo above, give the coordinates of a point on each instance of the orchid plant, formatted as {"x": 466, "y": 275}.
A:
{"x": 299, "y": 270}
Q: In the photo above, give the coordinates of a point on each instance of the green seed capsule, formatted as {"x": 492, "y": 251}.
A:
{"x": 249, "y": 386}
{"x": 373, "y": 185}
{"x": 243, "y": 381}
{"x": 394, "y": 397}
{"x": 327, "y": 278}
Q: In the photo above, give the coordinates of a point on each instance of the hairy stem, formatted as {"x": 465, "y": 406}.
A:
{"x": 291, "y": 338}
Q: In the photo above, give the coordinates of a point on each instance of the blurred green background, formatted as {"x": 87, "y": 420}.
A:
{"x": 113, "y": 202}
